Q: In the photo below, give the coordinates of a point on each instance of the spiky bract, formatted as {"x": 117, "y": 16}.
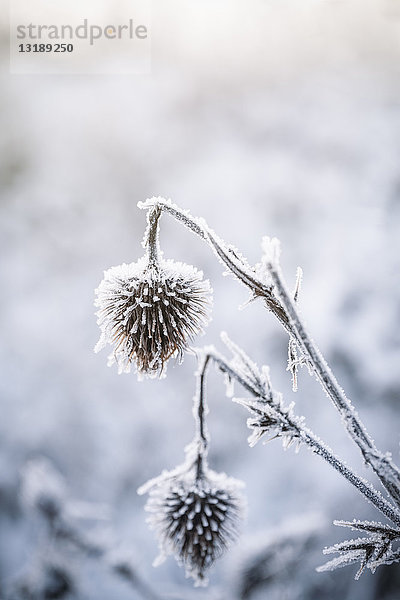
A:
{"x": 196, "y": 519}
{"x": 150, "y": 313}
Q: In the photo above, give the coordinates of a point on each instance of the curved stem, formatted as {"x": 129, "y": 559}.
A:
{"x": 314, "y": 444}
{"x": 226, "y": 255}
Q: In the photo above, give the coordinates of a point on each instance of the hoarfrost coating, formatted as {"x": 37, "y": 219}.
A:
{"x": 149, "y": 314}
{"x": 195, "y": 518}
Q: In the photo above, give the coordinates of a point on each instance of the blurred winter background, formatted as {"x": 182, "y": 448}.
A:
{"x": 265, "y": 117}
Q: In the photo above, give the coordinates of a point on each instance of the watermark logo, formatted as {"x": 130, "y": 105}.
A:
{"x": 85, "y": 31}
{"x": 48, "y": 36}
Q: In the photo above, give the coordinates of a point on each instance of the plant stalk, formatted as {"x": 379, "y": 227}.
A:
{"x": 315, "y": 445}
{"x": 383, "y": 466}
{"x": 199, "y": 410}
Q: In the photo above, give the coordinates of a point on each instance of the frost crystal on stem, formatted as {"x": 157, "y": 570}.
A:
{"x": 370, "y": 552}
{"x": 151, "y": 309}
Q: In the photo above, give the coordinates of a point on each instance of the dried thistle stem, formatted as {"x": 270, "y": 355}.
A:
{"x": 151, "y": 236}
{"x": 285, "y": 310}
{"x": 381, "y": 463}
{"x": 305, "y": 435}
{"x": 228, "y": 257}
{"x": 200, "y": 411}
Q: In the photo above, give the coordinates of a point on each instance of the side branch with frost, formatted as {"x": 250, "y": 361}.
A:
{"x": 271, "y": 419}
{"x": 150, "y": 311}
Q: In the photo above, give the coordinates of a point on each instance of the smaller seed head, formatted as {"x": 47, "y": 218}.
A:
{"x": 195, "y": 519}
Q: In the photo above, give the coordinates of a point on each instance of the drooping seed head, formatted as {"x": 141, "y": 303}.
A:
{"x": 150, "y": 312}
{"x": 196, "y": 520}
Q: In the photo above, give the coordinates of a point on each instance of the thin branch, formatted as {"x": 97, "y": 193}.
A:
{"x": 386, "y": 470}
{"x": 312, "y": 441}
{"x": 151, "y": 236}
{"x": 200, "y": 411}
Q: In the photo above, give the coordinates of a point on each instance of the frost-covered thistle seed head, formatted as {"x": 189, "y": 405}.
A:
{"x": 151, "y": 309}
{"x": 196, "y": 519}
{"x": 194, "y": 510}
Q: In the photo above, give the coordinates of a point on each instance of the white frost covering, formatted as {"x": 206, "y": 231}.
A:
{"x": 196, "y": 518}
{"x": 150, "y": 313}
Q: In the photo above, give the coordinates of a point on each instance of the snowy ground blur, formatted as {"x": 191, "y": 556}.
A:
{"x": 266, "y": 117}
